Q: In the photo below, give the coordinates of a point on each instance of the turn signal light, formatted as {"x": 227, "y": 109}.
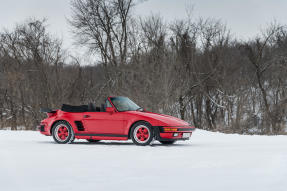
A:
{"x": 170, "y": 129}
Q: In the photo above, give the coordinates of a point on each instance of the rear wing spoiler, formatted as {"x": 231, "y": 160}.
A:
{"x": 46, "y": 110}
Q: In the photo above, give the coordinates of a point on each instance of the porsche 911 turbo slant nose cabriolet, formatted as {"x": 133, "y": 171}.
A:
{"x": 118, "y": 118}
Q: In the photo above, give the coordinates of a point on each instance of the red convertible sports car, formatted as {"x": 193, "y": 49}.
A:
{"x": 118, "y": 119}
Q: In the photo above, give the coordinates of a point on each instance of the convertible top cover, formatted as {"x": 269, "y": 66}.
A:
{"x": 75, "y": 109}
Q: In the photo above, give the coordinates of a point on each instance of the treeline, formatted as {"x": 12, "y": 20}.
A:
{"x": 192, "y": 68}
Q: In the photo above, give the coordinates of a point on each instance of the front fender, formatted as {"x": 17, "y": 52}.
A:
{"x": 132, "y": 119}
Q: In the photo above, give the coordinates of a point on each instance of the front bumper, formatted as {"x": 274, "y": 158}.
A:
{"x": 161, "y": 135}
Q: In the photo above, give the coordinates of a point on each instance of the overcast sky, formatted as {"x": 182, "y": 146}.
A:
{"x": 243, "y": 17}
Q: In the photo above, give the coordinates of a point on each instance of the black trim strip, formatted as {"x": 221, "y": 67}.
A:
{"x": 101, "y": 135}
{"x": 175, "y": 139}
{"x": 185, "y": 129}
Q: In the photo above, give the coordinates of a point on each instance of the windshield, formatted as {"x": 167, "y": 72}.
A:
{"x": 124, "y": 104}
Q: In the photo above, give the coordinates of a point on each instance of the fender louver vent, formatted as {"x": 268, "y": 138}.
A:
{"x": 79, "y": 125}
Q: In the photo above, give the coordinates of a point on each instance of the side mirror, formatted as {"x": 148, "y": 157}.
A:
{"x": 110, "y": 109}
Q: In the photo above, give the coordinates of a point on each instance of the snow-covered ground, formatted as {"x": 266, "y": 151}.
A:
{"x": 209, "y": 161}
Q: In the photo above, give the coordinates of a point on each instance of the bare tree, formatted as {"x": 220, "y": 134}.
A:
{"x": 259, "y": 57}
{"x": 102, "y": 26}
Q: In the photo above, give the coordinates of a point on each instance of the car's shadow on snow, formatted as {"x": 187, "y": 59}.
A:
{"x": 128, "y": 144}
{"x": 101, "y": 143}
{"x": 156, "y": 144}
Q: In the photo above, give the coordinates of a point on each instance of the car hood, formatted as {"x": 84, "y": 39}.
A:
{"x": 160, "y": 119}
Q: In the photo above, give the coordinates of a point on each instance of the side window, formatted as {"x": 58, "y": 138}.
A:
{"x": 108, "y": 104}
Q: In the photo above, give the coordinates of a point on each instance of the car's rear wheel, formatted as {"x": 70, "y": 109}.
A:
{"x": 142, "y": 133}
{"x": 167, "y": 142}
{"x": 92, "y": 140}
{"x": 63, "y": 133}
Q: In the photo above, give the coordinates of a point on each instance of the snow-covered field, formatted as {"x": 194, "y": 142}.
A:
{"x": 209, "y": 161}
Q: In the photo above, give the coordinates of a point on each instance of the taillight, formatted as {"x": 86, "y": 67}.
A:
{"x": 51, "y": 114}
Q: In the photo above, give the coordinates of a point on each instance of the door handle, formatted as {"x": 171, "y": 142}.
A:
{"x": 86, "y": 116}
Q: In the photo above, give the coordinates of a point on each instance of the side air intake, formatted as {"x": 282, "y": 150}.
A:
{"x": 80, "y": 125}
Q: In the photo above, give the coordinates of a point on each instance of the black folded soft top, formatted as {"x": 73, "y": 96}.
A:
{"x": 83, "y": 108}
{"x": 75, "y": 109}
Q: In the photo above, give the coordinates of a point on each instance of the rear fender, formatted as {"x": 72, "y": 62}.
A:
{"x": 69, "y": 118}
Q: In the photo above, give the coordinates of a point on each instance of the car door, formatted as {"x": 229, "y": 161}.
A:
{"x": 102, "y": 123}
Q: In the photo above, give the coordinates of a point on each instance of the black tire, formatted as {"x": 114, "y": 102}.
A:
{"x": 70, "y": 133}
{"x": 143, "y": 127}
{"x": 167, "y": 142}
{"x": 92, "y": 140}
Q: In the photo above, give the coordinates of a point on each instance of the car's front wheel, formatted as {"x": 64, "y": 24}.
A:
{"x": 142, "y": 133}
{"x": 63, "y": 133}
